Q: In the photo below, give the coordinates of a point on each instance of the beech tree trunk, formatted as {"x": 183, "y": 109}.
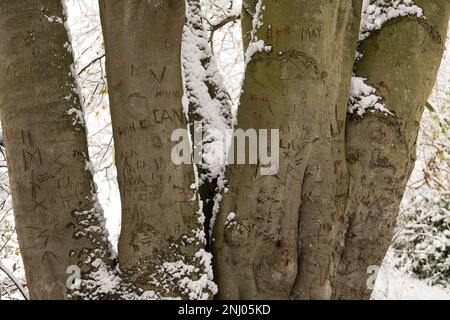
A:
{"x": 401, "y": 61}
{"x": 283, "y": 240}
{"x": 160, "y": 210}
{"x": 43, "y": 128}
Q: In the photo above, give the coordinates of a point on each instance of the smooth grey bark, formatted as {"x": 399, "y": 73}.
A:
{"x": 52, "y": 190}
{"x": 159, "y": 207}
{"x": 401, "y": 61}
{"x": 282, "y": 244}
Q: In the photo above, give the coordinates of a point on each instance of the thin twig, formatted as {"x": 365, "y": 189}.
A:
{"x": 90, "y": 64}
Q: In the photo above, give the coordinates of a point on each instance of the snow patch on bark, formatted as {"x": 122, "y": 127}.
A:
{"x": 75, "y": 110}
{"x": 363, "y": 98}
{"x": 230, "y": 220}
{"x": 77, "y": 116}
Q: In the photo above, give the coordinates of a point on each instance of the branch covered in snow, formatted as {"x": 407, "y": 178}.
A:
{"x": 206, "y": 102}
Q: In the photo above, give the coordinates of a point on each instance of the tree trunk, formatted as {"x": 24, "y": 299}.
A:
{"x": 161, "y": 221}
{"x": 282, "y": 242}
{"x": 43, "y": 127}
{"x": 401, "y": 61}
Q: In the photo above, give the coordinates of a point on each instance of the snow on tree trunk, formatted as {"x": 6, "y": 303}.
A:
{"x": 311, "y": 229}
{"x": 401, "y": 62}
{"x": 58, "y": 222}
{"x": 275, "y": 236}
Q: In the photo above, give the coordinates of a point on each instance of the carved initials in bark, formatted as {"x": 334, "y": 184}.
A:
{"x": 305, "y": 199}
